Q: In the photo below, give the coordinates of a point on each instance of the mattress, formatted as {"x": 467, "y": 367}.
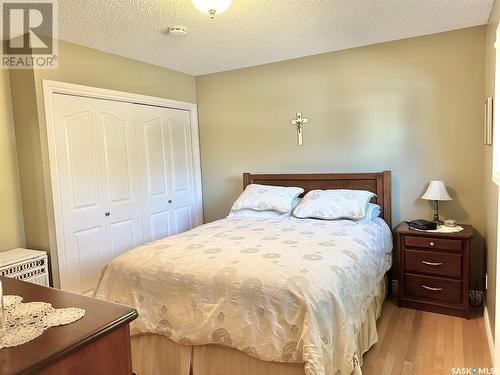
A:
{"x": 285, "y": 290}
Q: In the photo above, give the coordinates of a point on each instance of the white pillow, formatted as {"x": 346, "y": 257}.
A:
{"x": 267, "y": 198}
{"x": 265, "y": 214}
{"x": 334, "y": 204}
{"x": 372, "y": 213}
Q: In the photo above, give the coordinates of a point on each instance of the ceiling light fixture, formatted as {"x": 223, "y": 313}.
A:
{"x": 212, "y": 6}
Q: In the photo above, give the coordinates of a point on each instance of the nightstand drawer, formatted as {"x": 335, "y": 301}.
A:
{"x": 433, "y": 288}
{"x": 435, "y": 263}
{"x": 433, "y": 243}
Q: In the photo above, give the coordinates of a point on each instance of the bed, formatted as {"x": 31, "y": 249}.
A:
{"x": 259, "y": 295}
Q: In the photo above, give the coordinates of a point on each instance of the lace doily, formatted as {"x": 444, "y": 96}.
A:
{"x": 26, "y": 321}
{"x": 443, "y": 229}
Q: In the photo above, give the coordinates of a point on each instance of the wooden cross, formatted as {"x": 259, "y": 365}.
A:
{"x": 298, "y": 122}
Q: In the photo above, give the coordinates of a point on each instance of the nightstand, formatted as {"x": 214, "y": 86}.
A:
{"x": 434, "y": 270}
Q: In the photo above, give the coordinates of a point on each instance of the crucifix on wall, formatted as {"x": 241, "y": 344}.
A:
{"x": 299, "y": 122}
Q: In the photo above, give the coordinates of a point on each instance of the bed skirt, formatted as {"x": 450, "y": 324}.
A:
{"x": 154, "y": 354}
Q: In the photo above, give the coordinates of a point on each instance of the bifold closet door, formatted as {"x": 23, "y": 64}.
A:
{"x": 164, "y": 147}
{"x": 98, "y": 182}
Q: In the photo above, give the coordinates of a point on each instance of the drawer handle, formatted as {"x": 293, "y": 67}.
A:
{"x": 432, "y": 263}
{"x": 432, "y": 244}
{"x": 431, "y": 288}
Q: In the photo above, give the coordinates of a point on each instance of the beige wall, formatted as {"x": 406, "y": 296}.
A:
{"x": 413, "y": 106}
{"x": 420, "y": 98}
{"x": 85, "y": 66}
{"x": 28, "y": 140}
{"x": 11, "y": 219}
{"x": 490, "y": 188}
{"x": 90, "y": 67}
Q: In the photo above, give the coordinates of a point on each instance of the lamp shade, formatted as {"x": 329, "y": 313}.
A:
{"x": 436, "y": 192}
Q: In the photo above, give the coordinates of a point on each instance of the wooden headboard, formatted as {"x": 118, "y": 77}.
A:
{"x": 378, "y": 183}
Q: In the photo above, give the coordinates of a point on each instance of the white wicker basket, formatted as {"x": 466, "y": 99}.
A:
{"x": 26, "y": 265}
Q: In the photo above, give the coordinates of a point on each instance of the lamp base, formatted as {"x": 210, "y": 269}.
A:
{"x": 436, "y": 213}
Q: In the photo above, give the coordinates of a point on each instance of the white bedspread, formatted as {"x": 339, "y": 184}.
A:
{"x": 286, "y": 290}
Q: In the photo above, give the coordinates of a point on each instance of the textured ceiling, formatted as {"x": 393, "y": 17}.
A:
{"x": 253, "y": 32}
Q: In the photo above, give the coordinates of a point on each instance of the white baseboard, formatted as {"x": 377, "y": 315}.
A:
{"x": 489, "y": 335}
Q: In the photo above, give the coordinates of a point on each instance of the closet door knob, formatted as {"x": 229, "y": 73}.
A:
{"x": 170, "y": 201}
{"x": 107, "y": 214}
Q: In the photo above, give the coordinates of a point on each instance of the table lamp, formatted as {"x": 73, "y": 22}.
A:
{"x": 436, "y": 192}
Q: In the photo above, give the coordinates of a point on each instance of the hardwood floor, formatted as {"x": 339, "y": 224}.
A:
{"x": 416, "y": 342}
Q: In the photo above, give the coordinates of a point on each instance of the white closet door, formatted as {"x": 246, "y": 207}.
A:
{"x": 98, "y": 182}
{"x": 166, "y": 160}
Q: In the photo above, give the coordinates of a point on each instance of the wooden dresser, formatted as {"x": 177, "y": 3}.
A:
{"x": 98, "y": 343}
{"x": 434, "y": 270}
